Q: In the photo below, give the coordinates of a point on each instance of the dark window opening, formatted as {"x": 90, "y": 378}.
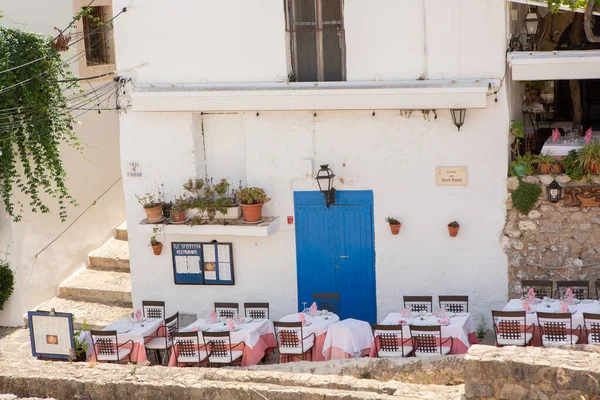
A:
{"x": 96, "y": 37}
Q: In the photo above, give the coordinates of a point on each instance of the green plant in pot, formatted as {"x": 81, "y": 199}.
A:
{"x": 156, "y": 245}
{"x": 7, "y": 282}
{"x": 178, "y": 210}
{"x": 589, "y": 157}
{"x": 394, "y": 225}
{"x": 81, "y": 344}
{"x": 153, "y": 206}
{"x": 453, "y": 228}
{"x": 573, "y": 166}
{"x": 546, "y": 163}
{"x": 252, "y": 199}
{"x": 521, "y": 165}
{"x": 210, "y": 199}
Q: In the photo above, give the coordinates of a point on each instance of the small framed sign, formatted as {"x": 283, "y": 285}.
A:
{"x": 202, "y": 263}
{"x": 51, "y": 334}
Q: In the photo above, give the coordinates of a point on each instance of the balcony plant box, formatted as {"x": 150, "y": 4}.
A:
{"x": 230, "y": 213}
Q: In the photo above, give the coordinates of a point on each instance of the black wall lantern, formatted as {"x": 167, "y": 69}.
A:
{"x": 325, "y": 180}
{"x": 555, "y": 192}
{"x": 458, "y": 117}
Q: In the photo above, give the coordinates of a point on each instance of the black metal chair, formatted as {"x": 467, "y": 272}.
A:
{"x": 389, "y": 341}
{"x": 427, "y": 341}
{"x": 510, "y": 328}
{"x": 418, "y": 303}
{"x": 256, "y": 310}
{"x": 557, "y": 329}
{"x": 541, "y": 288}
{"x": 107, "y": 347}
{"x": 455, "y": 304}
{"x": 220, "y": 349}
{"x": 164, "y": 343}
{"x": 226, "y": 310}
{"x": 291, "y": 341}
{"x": 580, "y": 289}
{"x": 188, "y": 349}
{"x": 328, "y": 301}
{"x": 153, "y": 309}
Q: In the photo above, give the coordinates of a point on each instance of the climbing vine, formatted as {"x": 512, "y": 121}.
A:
{"x": 34, "y": 122}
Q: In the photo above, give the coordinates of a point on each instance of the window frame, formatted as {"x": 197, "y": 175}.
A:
{"x": 290, "y": 12}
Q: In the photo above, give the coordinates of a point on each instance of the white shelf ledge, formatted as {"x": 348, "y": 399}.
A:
{"x": 235, "y": 227}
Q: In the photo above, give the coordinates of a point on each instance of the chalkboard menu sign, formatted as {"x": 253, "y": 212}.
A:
{"x": 202, "y": 263}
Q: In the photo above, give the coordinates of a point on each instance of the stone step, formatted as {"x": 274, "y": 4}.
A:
{"x": 105, "y": 287}
{"x": 121, "y": 232}
{"x": 113, "y": 255}
{"x": 96, "y": 315}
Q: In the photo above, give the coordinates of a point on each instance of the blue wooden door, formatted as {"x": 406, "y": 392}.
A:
{"x": 335, "y": 250}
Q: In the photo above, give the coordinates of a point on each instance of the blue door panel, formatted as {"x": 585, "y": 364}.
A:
{"x": 335, "y": 250}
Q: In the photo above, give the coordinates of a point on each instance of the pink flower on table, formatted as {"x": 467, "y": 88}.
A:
{"x": 139, "y": 315}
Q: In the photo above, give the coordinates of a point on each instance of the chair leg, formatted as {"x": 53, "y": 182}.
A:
{"x": 158, "y": 358}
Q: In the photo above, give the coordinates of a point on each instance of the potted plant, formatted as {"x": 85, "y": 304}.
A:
{"x": 482, "y": 329}
{"x": 589, "y": 157}
{"x": 153, "y": 206}
{"x": 252, "y": 199}
{"x": 573, "y": 166}
{"x": 156, "y": 245}
{"x": 453, "y": 228}
{"x": 394, "y": 225}
{"x": 211, "y": 200}
{"x": 81, "y": 344}
{"x": 520, "y": 165}
{"x": 546, "y": 164}
{"x": 7, "y": 282}
{"x": 178, "y": 211}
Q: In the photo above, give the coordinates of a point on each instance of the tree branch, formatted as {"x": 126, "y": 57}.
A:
{"x": 587, "y": 24}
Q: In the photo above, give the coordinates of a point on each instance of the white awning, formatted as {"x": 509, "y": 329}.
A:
{"x": 554, "y": 65}
{"x": 544, "y": 4}
{"x": 376, "y": 95}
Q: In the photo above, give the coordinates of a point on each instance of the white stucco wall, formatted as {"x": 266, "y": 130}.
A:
{"x": 393, "y": 156}
{"x": 90, "y": 174}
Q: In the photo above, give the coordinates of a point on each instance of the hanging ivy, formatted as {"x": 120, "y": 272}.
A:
{"x": 34, "y": 122}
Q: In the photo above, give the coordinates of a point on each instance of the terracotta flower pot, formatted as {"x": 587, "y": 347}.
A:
{"x": 557, "y": 169}
{"x": 157, "y": 249}
{"x": 154, "y": 214}
{"x": 177, "y": 216}
{"x": 544, "y": 169}
{"x": 252, "y": 212}
{"x": 395, "y": 228}
{"x": 594, "y": 169}
{"x": 453, "y": 230}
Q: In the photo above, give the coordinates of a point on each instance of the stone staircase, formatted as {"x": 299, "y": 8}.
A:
{"x": 101, "y": 293}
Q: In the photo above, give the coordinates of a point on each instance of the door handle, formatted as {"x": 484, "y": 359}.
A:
{"x": 343, "y": 256}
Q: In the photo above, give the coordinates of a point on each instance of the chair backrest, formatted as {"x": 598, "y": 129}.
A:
{"x": 172, "y": 327}
{"x": 418, "y": 303}
{"x": 456, "y": 304}
{"x": 153, "y": 309}
{"x": 591, "y": 323}
{"x": 257, "y": 310}
{"x": 426, "y": 339}
{"x": 509, "y": 325}
{"x": 187, "y": 345}
{"x": 289, "y": 335}
{"x": 218, "y": 346}
{"x": 580, "y": 289}
{"x": 105, "y": 345}
{"x": 555, "y": 326}
{"x": 226, "y": 310}
{"x": 541, "y": 288}
{"x": 388, "y": 338}
{"x": 328, "y": 301}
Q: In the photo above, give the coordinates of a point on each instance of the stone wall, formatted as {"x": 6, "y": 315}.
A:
{"x": 518, "y": 373}
{"x": 552, "y": 241}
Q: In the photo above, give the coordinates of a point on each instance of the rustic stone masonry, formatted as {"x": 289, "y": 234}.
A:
{"x": 552, "y": 241}
{"x": 518, "y": 373}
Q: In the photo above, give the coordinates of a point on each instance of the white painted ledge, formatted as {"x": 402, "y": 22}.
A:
{"x": 308, "y": 96}
{"x": 554, "y": 65}
{"x": 234, "y": 228}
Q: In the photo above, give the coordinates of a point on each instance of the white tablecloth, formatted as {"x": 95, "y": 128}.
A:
{"x": 136, "y": 331}
{"x": 350, "y": 335}
{"x": 577, "y": 316}
{"x": 249, "y": 333}
{"x": 460, "y": 326}
{"x": 318, "y": 326}
{"x": 562, "y": 146}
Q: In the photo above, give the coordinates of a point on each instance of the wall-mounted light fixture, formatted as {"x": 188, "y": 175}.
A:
{"x": 325, "y": 181}
{"x": 555, "y": 192}
{"x": 532, "y": 22}
{"x": 458, "y": 117}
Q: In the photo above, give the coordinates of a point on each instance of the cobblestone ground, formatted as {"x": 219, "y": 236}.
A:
{"x": 14, "y": 344}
